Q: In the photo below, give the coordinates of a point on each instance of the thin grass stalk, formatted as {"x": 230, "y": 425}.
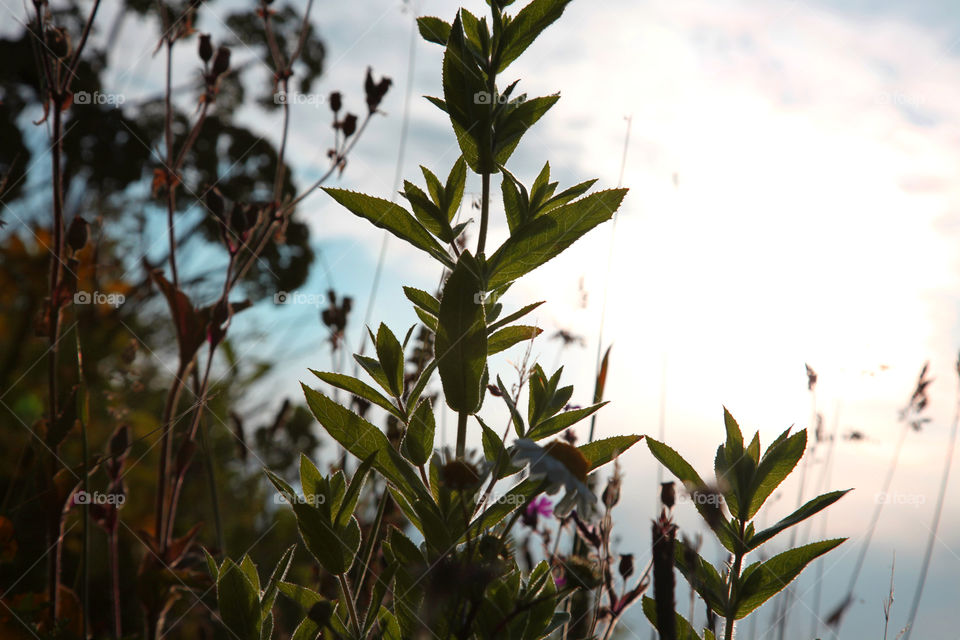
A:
{"x": 825, "y": 479}
{"x": 606, "y": 284}
{"x": 937, "y": 512}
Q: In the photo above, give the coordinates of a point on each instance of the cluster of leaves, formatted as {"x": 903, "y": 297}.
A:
{"x": 462, "y": 580}
{"x": 745, "y": 479}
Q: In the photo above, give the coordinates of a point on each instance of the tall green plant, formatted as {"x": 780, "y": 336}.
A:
{"x": 744, "y": 481}
{"x": 463, "y": 580}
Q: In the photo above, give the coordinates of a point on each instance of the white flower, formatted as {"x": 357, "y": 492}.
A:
{"x": 562, "y": 466}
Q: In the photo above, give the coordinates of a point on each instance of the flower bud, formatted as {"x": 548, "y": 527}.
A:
{"x": 668, "y": 494}
{"x": 626, "y": 565}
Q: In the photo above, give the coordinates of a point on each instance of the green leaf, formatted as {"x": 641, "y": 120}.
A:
{"x": 516, "y": 204}
{"x": 703, "y": 576}
{"x": 566, "y": 196}
{"x": 421, "y": 384}
{"x": 349, "y": 503}
{"x": 453, "y": 190}
{"x": 516, "y": 315}
{"x": 684, "y": 630}
{"x": 239, "y": 602}
{"x": 423, "y": 300}
{"x": 509, "y": 336}
{"x": 417, "y": 444}
{"x": 250, "y": 570}
{"x": 358, "y": 388}
{"x": 434, "y": 186}
{"x": 373, "y": 367}
{"x": 810, "y": 508}
{"x": 426, "y": 211}
{"x": 428, "y": 320}
{"x": 600, "y": 452}
{"x": 434, "y": 29}
{"x": 461, "y": 339}
{"x": 546, "y": 236}
{"x": 734, "y": 446}
{"x": 273, "y": 585}
{"x": 518, "y": 424}
{"x": 562, "y": 421}
{"x": 303, "y": 596}
{"x": 334, "y": 548}
{"x": 390, "y": 354}
{"x": 361, "y": 438}
{"x": 775, "y": 465}
{"x": 675, "y": 463}
{"x": 392, "y": 217}
{"x": 463, "y": 82}
{"x": 514, "y": 122}
{"x": 762, "y": 580}
{"x": 526, "y": 26}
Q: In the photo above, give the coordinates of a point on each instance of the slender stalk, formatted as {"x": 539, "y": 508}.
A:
{"x": 734, "y": 578}
{"x": 212, "y": 484}
{"x": 351, "y": 604}
{"x": 935, "y": 525}
{"x": 484, "y": 211}
{"x": 115, "y": 581}
{"x": 462, "y": 434}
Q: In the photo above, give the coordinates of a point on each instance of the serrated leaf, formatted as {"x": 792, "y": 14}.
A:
{"x": 509, "y": 336}
{"x": 278, "y": 575}
{"x": 453, "y": 189}
{"x": 761, "y": 581}
{"x": 423, "y": 300}
{"x": 358, "y": 388}
{"x": 391, "y": 217}
{"x": 546, "y": 236}
{"x": 524, "y": 28}
{"x": 683, "y": 629}
{"x": 417, "y": 445}
{"x": 461, "y": 338}
{"x": 390, "y": 354}
{"x": 810, "y": 508}
{"x": 777, "y": 463}
{"x": 513, "y": 123}
{"x": 374, "y": 369}
{"x": 334, "y": 548}
{"x": 516, "y": 315}
{"x": 239, "y": 602}
{"x": 562, "y": 421}
{"x": 703, "y": 576}
{"x": 361, "y": 438}
{"x": 434, "y": 29}
{"x": 352, "y": 494}
{"x": 463, "y": 82}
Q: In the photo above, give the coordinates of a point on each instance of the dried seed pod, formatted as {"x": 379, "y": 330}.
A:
{"x": 348, "y": 125}
{"x": 626, "y": 565}
{"x": 668, "y": 494}
{"x": 222, "y": 61}
{"x": 77, "y": 233}
{"x": 336, "y": 101}
{"x": 375, "y": 90}
{"x": 205, "y": 47}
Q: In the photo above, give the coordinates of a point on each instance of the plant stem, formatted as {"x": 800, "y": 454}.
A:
{"x": 115, "y": 581}
{"x": 462, "y": 434}
{"x": 484, "y": 211}
{"x": 351, "y": 605}
{"x": 734, "y": 578}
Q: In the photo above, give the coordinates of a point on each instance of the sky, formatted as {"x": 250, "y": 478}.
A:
{"x": 791, "y": 201}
